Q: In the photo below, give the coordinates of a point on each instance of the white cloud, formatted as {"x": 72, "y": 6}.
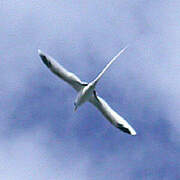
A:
{"x": 28, "y": 156}
{"x": 144, "y": 79}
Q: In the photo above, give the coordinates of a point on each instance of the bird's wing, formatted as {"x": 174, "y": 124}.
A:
{"x": 108, "y": 65}
{"x": 111, "y": 115}
{"x": 61, "y": 72}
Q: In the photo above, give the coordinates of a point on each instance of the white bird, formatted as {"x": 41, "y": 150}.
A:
{"x": 86, "y": 91}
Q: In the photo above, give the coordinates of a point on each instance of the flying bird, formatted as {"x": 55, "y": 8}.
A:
{"x": 87, "y": 92}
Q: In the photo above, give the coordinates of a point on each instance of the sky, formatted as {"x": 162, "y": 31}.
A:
{"x": 41, "y": 138}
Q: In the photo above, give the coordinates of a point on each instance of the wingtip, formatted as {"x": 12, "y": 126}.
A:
{"x": 40, "y": 52}
{"x": 45, "y": 58}
{"x": 127, "y": 129}
{"x": 133, "y": 133}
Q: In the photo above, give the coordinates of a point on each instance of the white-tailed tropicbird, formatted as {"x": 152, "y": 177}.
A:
{"x": 86, "y": 91}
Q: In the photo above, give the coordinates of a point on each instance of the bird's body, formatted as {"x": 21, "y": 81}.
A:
{"x": 86, "y": 91}
{"x": 84, "y": 95}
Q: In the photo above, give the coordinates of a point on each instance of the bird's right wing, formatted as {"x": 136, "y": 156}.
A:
{"x": 111, "y": 115}
{"x": 61, "y": 72}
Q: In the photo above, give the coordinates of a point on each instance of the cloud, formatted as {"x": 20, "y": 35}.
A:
{"x": 41, "y": 137}
{"x": 28, "y": 157}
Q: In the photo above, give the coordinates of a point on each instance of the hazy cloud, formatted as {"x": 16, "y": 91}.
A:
{"x": 41, "y": 136}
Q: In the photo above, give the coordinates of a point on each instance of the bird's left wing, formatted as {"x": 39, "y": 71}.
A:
{"x": 61, "y": 72}
{"x": 111, "y": 115}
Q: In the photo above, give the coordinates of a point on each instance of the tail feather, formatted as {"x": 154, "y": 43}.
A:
{"x": 95, "y": 81}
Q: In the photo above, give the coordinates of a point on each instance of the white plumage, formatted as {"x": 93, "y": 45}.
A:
{"x": 86, "y": 91}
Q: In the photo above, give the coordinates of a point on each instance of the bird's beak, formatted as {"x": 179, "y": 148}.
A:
{"x": 75, "y": 108}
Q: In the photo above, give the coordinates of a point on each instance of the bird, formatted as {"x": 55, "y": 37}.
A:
{"x": 86, "y": 91}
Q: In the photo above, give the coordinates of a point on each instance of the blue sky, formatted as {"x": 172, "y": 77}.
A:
{"x": 40, "y": 135}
